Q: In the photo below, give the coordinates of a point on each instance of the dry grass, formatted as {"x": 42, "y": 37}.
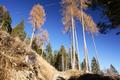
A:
{"x": 19, "y": 62}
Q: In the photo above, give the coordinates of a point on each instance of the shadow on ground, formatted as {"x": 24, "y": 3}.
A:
{"x": 94, "y": 77}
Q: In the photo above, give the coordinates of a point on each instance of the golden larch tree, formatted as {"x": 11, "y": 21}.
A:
{"x": 37, "y": 18}
{"x": 75, "y": 9}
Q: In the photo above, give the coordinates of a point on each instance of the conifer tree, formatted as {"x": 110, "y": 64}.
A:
{"x": 37, "y": 19}
{"x": 83, "y": 65}
{"x": 49, "y": 54}
{"x": 5, "y": 20}
{"x": 62, "y": 61}
{"x": 64, "y": 57}
{"x": 95, "y": 66}
{"x": 57, "y": 63}
{"x": 18, "y": 31}
{"x": 69, "y": 10}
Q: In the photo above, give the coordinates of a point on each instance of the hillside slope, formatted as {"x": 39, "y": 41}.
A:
{"x": 19, "y": 62}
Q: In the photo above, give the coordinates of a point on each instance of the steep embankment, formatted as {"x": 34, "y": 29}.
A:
{"x": 19, "y": 62}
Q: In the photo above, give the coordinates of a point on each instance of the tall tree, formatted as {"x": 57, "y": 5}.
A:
{"x": 39, "y": 40}
{"x": 95, "y": 48}
{"x": 75, "y": 9}
{"x": 77, "y": 51}
{"x": 64, "y": 57}
{"x": 95, "y": 66}
{"x": 83, "y": 66}
{"x": 44, "y": 39}
{"x": 49, "y": 53}
{"x": 19, "y": 31}
{"x": 57, "y": 60}
{"x": 69, "y": 10}
{"x": 37, "y": 18}
{"x": 5, "y": 19}
{"x": 87, "y": 24}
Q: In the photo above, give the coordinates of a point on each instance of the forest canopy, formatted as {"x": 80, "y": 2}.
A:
{"x": 109, "y": 9}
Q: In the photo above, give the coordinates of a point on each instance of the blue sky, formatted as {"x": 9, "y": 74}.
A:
{"x": 108, "y": 45}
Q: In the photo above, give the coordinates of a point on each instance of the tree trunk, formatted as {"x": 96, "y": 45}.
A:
{"x": 42, "y": 49}
{"x": 77, "y": 48}
{"x": 32, "y": 36}
{"x": 71, "y": 58}
{"x": 63, "y": 63}
{"x": 73, "y": 42}
{"x": 66, "y": 63}
{"x": 85, "y": 45}
{"x": 96, "y": 52}
{"x": 71, "y": 51}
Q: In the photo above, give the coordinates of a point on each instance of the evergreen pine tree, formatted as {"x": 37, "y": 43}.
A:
{"x": 77, "y": 61}
{"x": 62, "y": 60}
{"x": 95, "y": 66}
{"x": 18, "y": 31}
{"x": 5, "y": 20}
{"x": 64, "y": 57}
{"x": 58, "y": 61}
{"x": 83, "y": 66}
{"x": 49, "y": 54}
